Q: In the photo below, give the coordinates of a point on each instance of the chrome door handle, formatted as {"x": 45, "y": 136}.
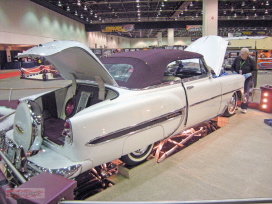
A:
{"x": 189, "y": 87}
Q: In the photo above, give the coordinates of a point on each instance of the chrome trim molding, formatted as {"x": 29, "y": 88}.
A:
{"x": 213, "y": 97}
{"x": 136, "y": 128}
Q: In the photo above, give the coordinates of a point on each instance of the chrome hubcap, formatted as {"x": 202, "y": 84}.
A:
{"x": 140, "y": 151}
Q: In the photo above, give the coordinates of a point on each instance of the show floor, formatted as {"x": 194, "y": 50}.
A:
{"x": 233, "y": 162}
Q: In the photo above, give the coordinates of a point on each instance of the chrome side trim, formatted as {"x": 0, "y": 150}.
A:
{"x": 213, "y": 97}
{"x": 136, "y": 128}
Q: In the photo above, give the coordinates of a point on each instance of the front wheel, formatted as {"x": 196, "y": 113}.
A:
{"x": 232, "y": 105}
{"x": 137, "y": 156}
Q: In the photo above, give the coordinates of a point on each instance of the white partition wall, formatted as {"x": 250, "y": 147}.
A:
{"x": 25, "y": 22}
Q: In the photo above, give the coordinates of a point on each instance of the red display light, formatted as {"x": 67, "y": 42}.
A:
{"x": 266, "y": 99}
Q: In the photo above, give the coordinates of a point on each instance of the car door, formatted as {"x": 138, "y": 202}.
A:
{"x": 203, "y": 91}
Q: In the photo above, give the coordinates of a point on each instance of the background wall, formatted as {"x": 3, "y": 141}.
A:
{"x": 146, "y": 42}
{"x": 102, "y": 40}
{"x": 24, "y": 22}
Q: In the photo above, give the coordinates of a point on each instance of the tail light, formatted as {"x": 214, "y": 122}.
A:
{"x": 67, "y": 132}
{"x": 70, "y": 107}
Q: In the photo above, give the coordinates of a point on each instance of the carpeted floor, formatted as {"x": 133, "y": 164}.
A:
{"x": 9, "y": 74}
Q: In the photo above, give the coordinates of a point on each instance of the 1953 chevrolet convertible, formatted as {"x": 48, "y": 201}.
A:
{"x": 100, "y": 116}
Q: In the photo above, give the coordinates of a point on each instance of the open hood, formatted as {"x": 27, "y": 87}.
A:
{"x": 213, "y": 48}
{"x": 71, "y": 58}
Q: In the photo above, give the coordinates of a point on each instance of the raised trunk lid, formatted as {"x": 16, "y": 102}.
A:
{"x": 71, "y": 58}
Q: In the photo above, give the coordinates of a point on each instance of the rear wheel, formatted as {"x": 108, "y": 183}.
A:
{"x": 232, "y": 105}
{"x": 137, "y": 156}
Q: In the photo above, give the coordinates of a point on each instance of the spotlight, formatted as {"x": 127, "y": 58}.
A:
{"x": 60, "y": 4}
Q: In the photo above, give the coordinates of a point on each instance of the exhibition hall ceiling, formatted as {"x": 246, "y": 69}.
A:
{"x": 152, "y": 16}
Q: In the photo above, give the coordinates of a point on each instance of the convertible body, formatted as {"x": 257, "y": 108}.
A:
{"x": 116, "y": 107}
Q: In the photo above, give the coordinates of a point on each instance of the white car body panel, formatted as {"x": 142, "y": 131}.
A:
{"x": 213, "y": 49}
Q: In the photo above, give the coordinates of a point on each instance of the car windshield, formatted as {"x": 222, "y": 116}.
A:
{"x": 120, "y": 72}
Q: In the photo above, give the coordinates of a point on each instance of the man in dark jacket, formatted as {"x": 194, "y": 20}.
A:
{"x": 245, "y": 65}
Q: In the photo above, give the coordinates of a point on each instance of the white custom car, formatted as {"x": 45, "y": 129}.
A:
{"x": 100, "y": 117}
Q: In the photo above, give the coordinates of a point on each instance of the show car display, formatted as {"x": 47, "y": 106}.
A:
{"x": 101, "y": 117}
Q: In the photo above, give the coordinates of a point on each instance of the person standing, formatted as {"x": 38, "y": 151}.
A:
{"x": 245, "y": 65}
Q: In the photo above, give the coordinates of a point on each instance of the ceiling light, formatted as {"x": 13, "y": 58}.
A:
{"x": 95, "y": 15}
{"x": 181, "y": 12}
{"x": 235, "y": 15}
{"x": 59, "y": 3}
{"x": 85, "y": 8}
{"x": 139, "y": 14}
{"x": 185, "y": 9}
{"x": 232, "y": 9}
{"x": 247, "y": 17}
{"x": 255, "y": 15}
{"x": 76, "y": 13}
{"x": 81, "y": 16}
{"x": 267, "y": 3}
{"x": 138, "y": 10}
{"x": 253, "y": 8}
{"x": 100, "y": 18}
{"x": 266, "y": 12}
{"x": 191, "y": 4}
{"x": 138, "y": 5}
{"x": 242, "y": 11}
{"x": 68, "y": 8}
{"x": 91, "y": 21}
{"x": 225, "y": 12}
{"x": 162, "y": 4}
{"x": 91, "y": 12}
{"x": 87, "y": 19}
{"x": 78, "y": 3}
{"x": 243, "y": 3}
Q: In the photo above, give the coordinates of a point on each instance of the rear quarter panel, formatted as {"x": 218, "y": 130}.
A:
{"x": 129, "y": 109}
